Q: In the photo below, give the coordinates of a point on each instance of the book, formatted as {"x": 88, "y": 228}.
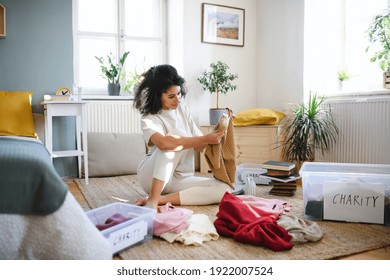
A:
{"x": 277, "y": 183}
{"x": 278, "y": 165}
{"x": 285, "y": 187}
{"x": 278, "y": 173}
{"x": 282, "y": 192}
{"x": 285, "y": 179}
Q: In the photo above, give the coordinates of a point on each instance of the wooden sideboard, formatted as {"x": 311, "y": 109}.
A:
{"x": 255, "y": 144}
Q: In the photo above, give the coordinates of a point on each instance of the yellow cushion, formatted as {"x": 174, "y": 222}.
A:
{"x": 258, "y": 116}
{"x": 16, "y": 117}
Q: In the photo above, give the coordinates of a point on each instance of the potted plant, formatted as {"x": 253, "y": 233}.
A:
{"x": 112, "y": 71}
{"x": 343, "y": 75}
{"x": 379, "y": 36}
{"x": 217, "y": 81}
{"x": 133, "y": 79}
{"x": 308, "y": 129}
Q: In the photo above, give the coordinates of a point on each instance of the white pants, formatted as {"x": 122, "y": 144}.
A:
{"x": 193, "y": 190}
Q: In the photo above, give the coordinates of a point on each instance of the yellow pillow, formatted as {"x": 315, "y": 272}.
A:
{"x": 16, "y": 117}
{"x": 258, "y": 116}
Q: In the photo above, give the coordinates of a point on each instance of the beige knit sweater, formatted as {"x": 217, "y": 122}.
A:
{"x": 221, "y": 157}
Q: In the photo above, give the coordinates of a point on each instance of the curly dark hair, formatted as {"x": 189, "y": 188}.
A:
{"x": 154, "y": 83}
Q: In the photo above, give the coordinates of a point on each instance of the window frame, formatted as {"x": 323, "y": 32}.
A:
{"x": 329, "y": 86}
{"x": 120, "y": 39}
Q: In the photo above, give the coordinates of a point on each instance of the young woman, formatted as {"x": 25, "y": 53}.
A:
{"x": 167, "y": 172}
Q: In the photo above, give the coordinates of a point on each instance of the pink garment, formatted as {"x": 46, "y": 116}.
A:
{"x": 114, "y": 220}
{"x": 270, "y": 205}
{"x": 171, "y": 219}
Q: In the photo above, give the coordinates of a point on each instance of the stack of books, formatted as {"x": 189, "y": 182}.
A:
{"x": 283, "y": 181}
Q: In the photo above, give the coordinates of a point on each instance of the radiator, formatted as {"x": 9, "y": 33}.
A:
{"x": 364, "y": 131}
{"x": 113, "y": 116}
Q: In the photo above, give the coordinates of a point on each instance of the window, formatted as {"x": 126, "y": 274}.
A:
{"x": 335, "y": 39}
{"x": 102, "y": 27}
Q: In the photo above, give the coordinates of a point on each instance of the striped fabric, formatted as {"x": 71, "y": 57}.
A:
{"x": 221, "y": 157}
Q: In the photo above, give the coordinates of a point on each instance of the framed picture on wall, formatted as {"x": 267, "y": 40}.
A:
{"x": 223, "y": 25}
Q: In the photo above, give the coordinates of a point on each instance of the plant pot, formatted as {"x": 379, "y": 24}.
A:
{"x": 298, "y": 166}
{"x": 113, "y": 88}
{"x": 215, "y": 114}
{"x": 340, "y": 85}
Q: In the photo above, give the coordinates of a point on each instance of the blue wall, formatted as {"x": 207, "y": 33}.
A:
{"x": 37, "y": 56}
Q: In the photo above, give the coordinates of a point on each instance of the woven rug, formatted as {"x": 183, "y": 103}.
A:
{"x": 340, "y": 239}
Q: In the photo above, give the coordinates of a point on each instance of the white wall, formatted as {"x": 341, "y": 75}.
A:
{"x": 175, "y": 34}
{"x": 269, "y": 66}
{"x": 280, "y": 26}
{"x": 197, "y": 56}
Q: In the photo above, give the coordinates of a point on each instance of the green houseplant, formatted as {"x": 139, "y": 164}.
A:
{"x": 219, "y": 81}
{"x": 112, "y": 71}
{"x": 379, "y": 36}
{"x": 308, "y": 129}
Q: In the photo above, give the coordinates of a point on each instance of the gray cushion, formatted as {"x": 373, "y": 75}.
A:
{"x": 114, "y": 154}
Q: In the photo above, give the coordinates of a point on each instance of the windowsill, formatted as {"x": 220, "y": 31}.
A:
{"x": 359, "y": 94}
{"x": 106, "y": 97}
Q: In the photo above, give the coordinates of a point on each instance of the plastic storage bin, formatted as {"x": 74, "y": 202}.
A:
{"x": 253, "y": 170}
{"x": 129, "y": 233}
{"x": 347, "y": 192}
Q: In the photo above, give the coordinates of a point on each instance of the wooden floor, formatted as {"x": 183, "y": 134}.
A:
{"x": 378, "y": 254}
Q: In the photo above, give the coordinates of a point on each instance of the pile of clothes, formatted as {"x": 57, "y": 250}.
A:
{"x": 182, "y": 225}
{"x": 263, "y": 222}
{"x": 247, "y": 219}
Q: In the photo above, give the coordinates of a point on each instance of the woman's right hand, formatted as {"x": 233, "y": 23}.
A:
{"x": 215, "y": 137}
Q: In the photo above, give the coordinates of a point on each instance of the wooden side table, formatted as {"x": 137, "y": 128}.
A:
{"x": 255, "y": 144}
{"x": 68, "y": 108}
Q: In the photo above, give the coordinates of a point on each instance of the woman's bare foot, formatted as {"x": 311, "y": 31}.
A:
{"x": 144, "y": 201}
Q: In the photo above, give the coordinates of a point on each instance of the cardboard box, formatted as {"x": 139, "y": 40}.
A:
{"x": 129, "y": 233}
{"x": 347, "y": 192}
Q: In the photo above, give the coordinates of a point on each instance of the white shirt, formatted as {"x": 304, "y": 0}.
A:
{"x": 178, "y": 122}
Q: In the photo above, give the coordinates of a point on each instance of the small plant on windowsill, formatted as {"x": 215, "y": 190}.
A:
{"x": 343, "y": 75}
{"x": 112, "y": 71}
{"x": 132, "y": 80}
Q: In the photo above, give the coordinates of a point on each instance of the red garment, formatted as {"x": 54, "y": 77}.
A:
{"x": 248, "y": 224}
